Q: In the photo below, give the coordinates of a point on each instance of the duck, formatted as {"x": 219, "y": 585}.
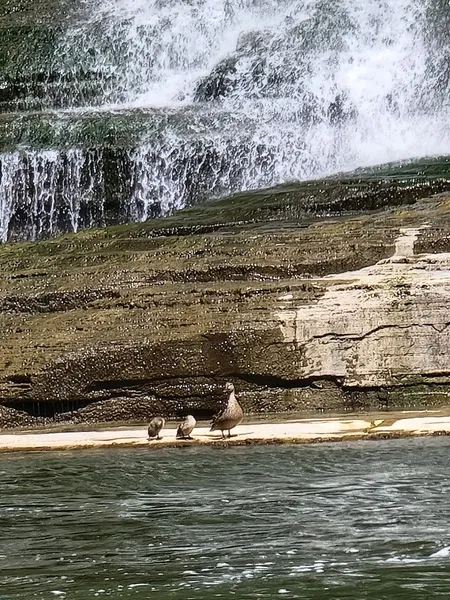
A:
{"x": 155, "y": 426}
{"x": 185, "y": 428}
{"x": 230, "y": 416}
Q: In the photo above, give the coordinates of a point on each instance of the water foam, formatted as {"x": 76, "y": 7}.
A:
{"x": 442, "y": 553}
{"x": 274, "y": 90}
{"x": 292, "y": 60}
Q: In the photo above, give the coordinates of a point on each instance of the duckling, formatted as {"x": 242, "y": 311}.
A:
{"x": 230, "y": 416}
{"x": 185, "y": 428}
{"x": 154, "y": 428}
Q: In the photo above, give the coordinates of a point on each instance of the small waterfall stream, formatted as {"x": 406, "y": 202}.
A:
{"x": 130, "y": 109}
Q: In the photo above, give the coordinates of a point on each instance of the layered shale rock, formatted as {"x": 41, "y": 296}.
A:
{"x": 304, "y": 310}
{"x": 386, "y": 325}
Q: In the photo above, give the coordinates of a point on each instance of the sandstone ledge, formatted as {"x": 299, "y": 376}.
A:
{"x": 289, "y": 432}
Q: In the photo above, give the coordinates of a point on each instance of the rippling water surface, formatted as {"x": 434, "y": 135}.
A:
{"x": 360, "y": 520}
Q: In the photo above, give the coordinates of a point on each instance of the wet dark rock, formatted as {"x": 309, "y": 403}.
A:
{"x": 219, "y": 83}
{"x": 269, "y": 64}
{"x": 340, "y": 111}
{"x": 11, "y": 418}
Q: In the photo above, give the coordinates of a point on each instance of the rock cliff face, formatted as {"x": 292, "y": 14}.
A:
{"x": 303, "y": 311}
{"x": 384, "y": 325}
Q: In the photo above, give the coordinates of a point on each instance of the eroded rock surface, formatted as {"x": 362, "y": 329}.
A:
{"x": 303, "y": 312}
{"x": 384, "y": 325}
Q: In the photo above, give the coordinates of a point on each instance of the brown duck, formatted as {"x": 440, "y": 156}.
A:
{"x": 230, "y": 416}
{"x": 185, "y": 428}
{"x": 154, "y": 428}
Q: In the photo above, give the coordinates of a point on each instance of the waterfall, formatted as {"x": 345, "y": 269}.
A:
{"x": 138, "y": 107}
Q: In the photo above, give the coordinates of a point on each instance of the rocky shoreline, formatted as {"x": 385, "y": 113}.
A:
{"x": 304, "y": 309}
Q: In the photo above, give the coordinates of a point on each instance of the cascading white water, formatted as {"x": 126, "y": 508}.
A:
{"x": 259, "y": 92}
{"x": 33, "y": 183}
{"x": 372, "y": 54}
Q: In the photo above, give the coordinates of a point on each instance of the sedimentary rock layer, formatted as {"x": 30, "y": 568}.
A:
{"x": 302, "y": 313}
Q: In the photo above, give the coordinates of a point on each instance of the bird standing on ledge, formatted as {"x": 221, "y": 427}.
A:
{"x": 185, "y": 428}
{"x": 154, "y": 428}
{"x": 230, "y": 416}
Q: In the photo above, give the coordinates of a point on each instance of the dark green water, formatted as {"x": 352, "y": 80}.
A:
{"x": 360, "y": 520}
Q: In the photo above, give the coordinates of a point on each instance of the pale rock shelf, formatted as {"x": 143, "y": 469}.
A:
{"x": 295, "y": 432}
{"x": 375, "y": 325}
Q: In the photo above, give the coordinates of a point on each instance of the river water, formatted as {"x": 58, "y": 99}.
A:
{"x": 333, "y": 521}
